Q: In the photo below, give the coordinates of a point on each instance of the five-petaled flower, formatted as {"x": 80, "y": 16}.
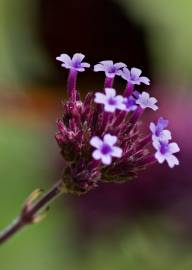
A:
{"x": 110, "y": 101}
{"x": 105, "y": 148}
{"x": 74, "y": 63}
{"x": 110, "y": 68}
{"x": 145, "y": 101}
{"x": 158, "y": 131}
{"x": 165, "y": 151}
{"x": 133, "y": 76}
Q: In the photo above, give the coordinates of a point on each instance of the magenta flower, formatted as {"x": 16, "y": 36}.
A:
{"x": 133, "y": 76}
{"x": 105, "y": 149}
{"x": 145, "y": 101}
{"x": 110, "y": 101}
{"x": 74, "y": 63}
{"x": 158, "y": 131}
{"x": 165, "y": 151}
{"x": 109, "y": 68}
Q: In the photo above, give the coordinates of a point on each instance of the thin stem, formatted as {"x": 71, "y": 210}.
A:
{"x": 31, "y": 211}
{"x": 108, "y": 82}
{"x": 71, "y": 84}
{"x": 128, "y": 89}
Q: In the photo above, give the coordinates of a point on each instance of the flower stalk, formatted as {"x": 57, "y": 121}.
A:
{"x": 32, "y": 212}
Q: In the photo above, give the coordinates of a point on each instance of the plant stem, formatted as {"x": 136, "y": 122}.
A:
{"x": 31, "y": 211}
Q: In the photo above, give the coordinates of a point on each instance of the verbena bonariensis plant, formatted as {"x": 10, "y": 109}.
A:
{"x": 101, "y": 137}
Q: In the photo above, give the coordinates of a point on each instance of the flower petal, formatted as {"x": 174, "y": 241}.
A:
{"x": 78, "y": 57}
{"x": 120, "y": 65}
{"x": 100, "y": 98}
{"x": 109, "y": 139}
{"x": 65, "y": 58}
{"x": 96, "y": 154}
{"x": 117, "y": 152}
{"x": 109, "y": 108}
{"x": 85, "y": 65}
{"x": 96, "y": 142}
{"x": 110, "y": 92}
{"x": 152, "y": 127}
{"x": 160, "y": 158}
{"x": 173, "y": 148}
{"x": 172, "y": 161}
{"x": 165, "y": 135}
{"x": 125, "y": 74}
{"x": 106, "y": 159}
{"x": 136, "y": 72}
{"x": 144, "y": 80}
{"x": 153, "y": 107}
{"x": 107, "y": 63}
{"x": 99, "y": 67}
{"x": 144, "y": 95}
{"x": 156, "y": 144}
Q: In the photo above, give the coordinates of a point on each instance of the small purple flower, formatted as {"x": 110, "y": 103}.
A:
{"x": 110, "y": 100}
{"x": 105, "y": 149}
{"x": 158, "y": 131}
{"x": 133, "y": 76}
{"x": 165, "y": 151}
{"x": 74, "y": 63}
{"x": 145, "y": 101}
{"x": 130, "y": 104}
{"x": 110, "y": 68}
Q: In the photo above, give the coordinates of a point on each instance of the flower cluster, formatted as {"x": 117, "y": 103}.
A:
{"x": 160, "y": 141}
{"x": 100, "y": 137}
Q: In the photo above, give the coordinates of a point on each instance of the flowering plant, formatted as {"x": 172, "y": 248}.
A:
{"x": 100, "y": 137}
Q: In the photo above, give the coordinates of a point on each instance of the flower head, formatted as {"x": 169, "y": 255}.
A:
{"x": 110, "y": 101}
{"x": 145, "y": 101}
{"x": 109, "y": 68}
{"x": 165, "y": 151}
{"x": 105, "y": 148}
{"x": 85, "y": 125}
{"x": 74, "y": 63}
{"x": 133, "y": 76}
{"x": 158, "y": 131}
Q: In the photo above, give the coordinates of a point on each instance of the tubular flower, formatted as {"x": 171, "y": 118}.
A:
{"x": 145, "y": 101}
{"x": 110, "y": 68}
{"x": 133, "y": 76}
{"x": 73, "y": 63}
{"x": 105, "y": 149}
{"x": 158, "y": 131}
{"x": 110, "y": 101}
{"x": 101, "y": 140}
{"x": 165, "y": 151}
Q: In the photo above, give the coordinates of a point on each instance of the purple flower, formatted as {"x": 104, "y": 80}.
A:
{"x": 165, "y": 151}
{"x": 110, "y": 100}
{"x": 158, "y": 131}
{"x": 74, "y": 63}
{"x": 83, "y": 122}
{"x": 109, "y": 68}
{"x": 133, "y": 76}
{"x": 145, "y": 101}
{"x": 130, "y": 104}
{"x": 105, "y": 149}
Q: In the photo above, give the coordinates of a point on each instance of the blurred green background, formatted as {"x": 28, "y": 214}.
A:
{"x": 141, "y": 225}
